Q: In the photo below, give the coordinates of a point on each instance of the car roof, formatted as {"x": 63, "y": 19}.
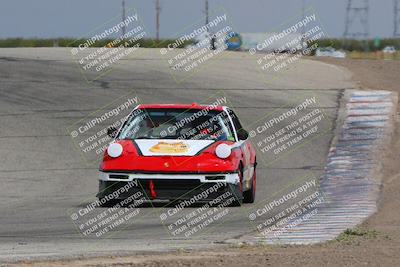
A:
{"x": 180, "y": 106}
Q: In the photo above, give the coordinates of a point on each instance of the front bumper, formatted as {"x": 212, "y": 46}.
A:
{"x": 169, "y": 186}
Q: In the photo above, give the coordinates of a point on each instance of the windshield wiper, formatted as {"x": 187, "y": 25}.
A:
{"x": 146, "y": 137}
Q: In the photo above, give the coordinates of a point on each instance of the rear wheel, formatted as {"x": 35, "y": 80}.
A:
{"x": 250, "y": 195}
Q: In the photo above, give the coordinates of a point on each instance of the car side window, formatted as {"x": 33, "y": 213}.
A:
{"x": 235, "y": 120}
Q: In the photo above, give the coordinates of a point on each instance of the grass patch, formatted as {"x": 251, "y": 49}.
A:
{"x": 351, "y": 235}
{"x": 70, "y": 42}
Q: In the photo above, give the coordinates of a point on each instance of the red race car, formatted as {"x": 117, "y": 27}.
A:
{"x": 176, "y": 152}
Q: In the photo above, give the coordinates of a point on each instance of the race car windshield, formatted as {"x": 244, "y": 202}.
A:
{"x": 178, "y": 124}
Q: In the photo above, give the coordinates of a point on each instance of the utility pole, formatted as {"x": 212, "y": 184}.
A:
{"x": 303, "y": 14}
{"x": 206, "y": 11}
{"x": 210, "y": 35}
{"x": 123, "y": 17}
{"x": 356, "y": 24}
{"x": 396, "y": 31}
{"x": 158, "y": 10}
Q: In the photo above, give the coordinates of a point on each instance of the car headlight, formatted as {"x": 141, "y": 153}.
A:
{"x": 114, "y": 150}
{"x": 223, "y": 151}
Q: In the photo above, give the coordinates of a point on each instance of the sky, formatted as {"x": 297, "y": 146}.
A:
{"x": 76, "y": 18}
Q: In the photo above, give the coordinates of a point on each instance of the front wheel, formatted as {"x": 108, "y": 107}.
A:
{"x": 107, "y": 203}
{"x": 239, "y": 192}
{"x": 250, "y": 195}
{"x": 238, "y": 200}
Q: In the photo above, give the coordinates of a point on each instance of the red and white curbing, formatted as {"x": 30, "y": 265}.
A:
{"x": 350, "y": 184}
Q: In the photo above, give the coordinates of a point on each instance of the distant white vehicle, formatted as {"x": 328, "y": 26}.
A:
{"x": 389, "y": 50}
{"x": 329, "y": 52}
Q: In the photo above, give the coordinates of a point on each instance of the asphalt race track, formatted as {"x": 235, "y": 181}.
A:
{"x": 42, "y": 92}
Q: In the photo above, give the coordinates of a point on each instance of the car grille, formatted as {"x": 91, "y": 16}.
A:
{"x": 172, "y": 184}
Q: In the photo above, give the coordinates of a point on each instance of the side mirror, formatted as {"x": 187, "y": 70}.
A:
{"x": 242, "y": 134}
{"x": 112, "y": 131}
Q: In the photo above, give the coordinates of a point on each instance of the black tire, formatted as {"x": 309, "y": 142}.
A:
{"x": 250, "y": 195}
{"x": 108, "y": 204}
{"x": 237, "y": 202}
{"x": 238, "y": 196}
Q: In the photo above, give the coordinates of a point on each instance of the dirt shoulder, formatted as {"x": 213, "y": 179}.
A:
{"x": 371, "y": 74}
{"x": 376, "y": 243}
